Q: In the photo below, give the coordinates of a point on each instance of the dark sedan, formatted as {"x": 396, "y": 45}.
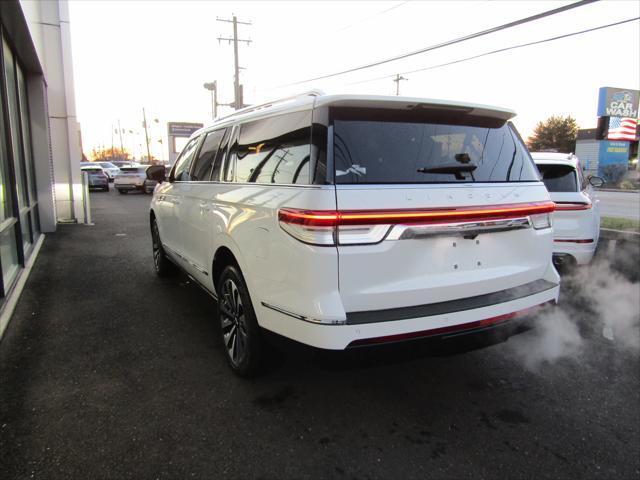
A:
{"x": 97, "y": 178}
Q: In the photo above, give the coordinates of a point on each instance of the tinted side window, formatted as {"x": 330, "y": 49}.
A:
{"x": 183, "y": 164}
{"x": 202, "y": 169}
{"x": 559, "y": 178}
{"x": 218, "y": 161}
{"x": 274, "y": 150}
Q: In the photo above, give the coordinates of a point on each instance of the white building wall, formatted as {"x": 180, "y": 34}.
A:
{"x": 588, "y": 151}
{"x": 48, "y": 22}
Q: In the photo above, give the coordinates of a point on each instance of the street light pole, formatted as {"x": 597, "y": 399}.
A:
{"x": 213, "y": 88}
{"x": 121, "y": 144}
{"x": 146, "y": 134}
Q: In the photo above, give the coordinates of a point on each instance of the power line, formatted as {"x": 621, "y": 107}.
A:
{"x": 451, "y": 42}
{"x": 492, "y": 52}
{"x": 373, "y": 16}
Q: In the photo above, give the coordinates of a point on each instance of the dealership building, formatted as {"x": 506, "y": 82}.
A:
{"x": 614, "y": 143}
{"x": 40, "y": 151}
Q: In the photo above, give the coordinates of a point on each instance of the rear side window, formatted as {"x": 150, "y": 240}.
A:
{"x": 208, "y": 151}
{"x": 559, "y": 178}
{"x": 409, "y": 151}
{"x": 183, "y": 164}
{"x": 274, "y": 150}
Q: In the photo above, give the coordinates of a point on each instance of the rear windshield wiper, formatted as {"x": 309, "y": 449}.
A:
{"x": 454, "y": 169}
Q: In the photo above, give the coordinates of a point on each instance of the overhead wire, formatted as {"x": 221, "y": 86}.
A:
{"x": 499, "y": 50}
{"x": 447, "y": 43}
{"x": 398, "y": 5}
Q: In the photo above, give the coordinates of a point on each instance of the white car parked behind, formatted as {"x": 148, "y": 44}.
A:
{"x": 576, "y": 221}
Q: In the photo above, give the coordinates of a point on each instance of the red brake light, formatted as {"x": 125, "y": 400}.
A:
{"x": 566, "y": 206}
{"x": 321, "y": 227}
{"x": 411, "y": 216}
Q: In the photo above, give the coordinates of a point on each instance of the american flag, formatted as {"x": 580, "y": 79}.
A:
{"x": 622, "y": 128}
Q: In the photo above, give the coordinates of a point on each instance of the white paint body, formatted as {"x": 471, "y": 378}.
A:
{"x": 572, "y": 225}
{"x": 324, "y": 283}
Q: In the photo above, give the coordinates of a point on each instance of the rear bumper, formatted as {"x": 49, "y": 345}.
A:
{"x": 581, "y": 252}
{"x": 128, "y": 186}
{"x": 340, "y": 337}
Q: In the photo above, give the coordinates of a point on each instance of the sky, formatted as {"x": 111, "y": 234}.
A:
{"x": 158, "y": 54}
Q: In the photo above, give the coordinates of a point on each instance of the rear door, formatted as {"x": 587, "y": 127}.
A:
{"x": 195, "y": 209}
{"x": 439, "y": 203}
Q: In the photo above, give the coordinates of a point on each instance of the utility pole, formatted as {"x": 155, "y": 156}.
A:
{"x": 397, "y": 80}
{"x": 237, "y": 89}
{"x": 146, "y": 134}
{"x": 120, "y": 132}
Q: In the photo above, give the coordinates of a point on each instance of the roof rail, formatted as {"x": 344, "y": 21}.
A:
{"x": 252, "y": 108}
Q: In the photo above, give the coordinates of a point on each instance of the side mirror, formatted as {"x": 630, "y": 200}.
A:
{"x": 157, "y": 173}
{"x": 596, "y": 181}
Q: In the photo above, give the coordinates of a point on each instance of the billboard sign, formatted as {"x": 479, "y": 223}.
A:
{"x": 182, "y": 129}
{"x": 612, "y": 153}
{"x": 618, "y": 102}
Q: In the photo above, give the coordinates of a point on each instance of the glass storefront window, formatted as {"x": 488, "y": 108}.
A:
{"x": 17, "y": 178}
{"x": 9, "y": 256}
{"x": 26, "y": 137}
{"x": 6, "y": 210}
{"x": 14, "y": 120}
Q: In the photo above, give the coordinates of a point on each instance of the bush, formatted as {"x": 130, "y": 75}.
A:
{"x": 614, "y": 173}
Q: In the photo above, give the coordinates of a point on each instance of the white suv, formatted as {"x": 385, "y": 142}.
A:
{"x": 347, "y": 220}
{"x": 576, "y": 222}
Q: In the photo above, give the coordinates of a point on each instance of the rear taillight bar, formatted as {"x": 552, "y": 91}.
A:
{"x": 331, "y": 218}
{"x": 566, "y": 206}
{"x": 570, "y": 240}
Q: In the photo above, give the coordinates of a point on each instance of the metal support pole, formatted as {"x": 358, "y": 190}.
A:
{"x": 146, "y": 135}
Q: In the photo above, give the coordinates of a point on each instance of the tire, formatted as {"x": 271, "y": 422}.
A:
{"x": 106, "y": 189}
{"x": 242, "y": 341}
{"x": 122, "y": 192}
{"x": 164, "y": 267}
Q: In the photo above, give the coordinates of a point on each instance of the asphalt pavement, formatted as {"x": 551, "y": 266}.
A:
{"x": 619, "y": 204}
{"x": 107, "y": 371}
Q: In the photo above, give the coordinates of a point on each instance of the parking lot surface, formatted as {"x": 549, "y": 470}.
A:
{"x": 110, "y": 372}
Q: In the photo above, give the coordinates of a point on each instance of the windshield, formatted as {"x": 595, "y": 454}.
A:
{"x": 92, "y": 170}
{"x": 108, "y": 165}
{"x": 367, "y": 151}
{"x": 559, "y": 178}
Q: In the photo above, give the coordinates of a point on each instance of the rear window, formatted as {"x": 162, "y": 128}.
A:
{"x": 92, "y": 170}
{"x": 133, "y": 170}
{"x": 414, "y": 151}
{"x": 559, "y": 178}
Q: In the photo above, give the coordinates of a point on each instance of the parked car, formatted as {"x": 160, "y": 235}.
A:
{"x": 110, "y": 169}
{"x": 343, "y": 221}
{"x": 150, "y": 184}
{"x": 98, "y": 179}
{"x": 131, "y": 178}
{"x": 576, "y": 221}
{"x": 124, "y": 163}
